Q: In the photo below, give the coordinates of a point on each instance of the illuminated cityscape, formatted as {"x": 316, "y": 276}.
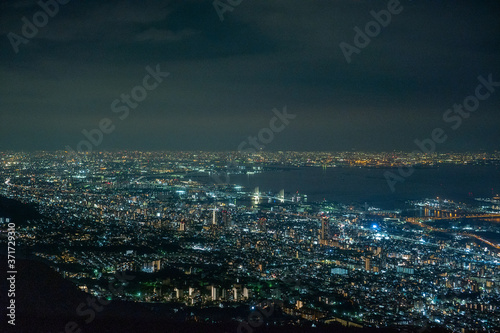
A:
{"x": 200, "y": 244}
{"x": 232, "y": 166}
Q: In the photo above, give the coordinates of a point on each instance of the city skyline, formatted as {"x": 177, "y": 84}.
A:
{"x": 248, "y": 166}
{"x": 219, "y": 254}
{"x": 376, "y": 90}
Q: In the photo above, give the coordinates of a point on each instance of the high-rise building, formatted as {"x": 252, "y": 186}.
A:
{"x": 247, "y": 293}
{"x": 236, "y": 293}
{"x": 367, "y": 264}
{"x": 263, "y": 224}
{"x": 226, "y": 219}
{"x": 325, "y": 231}
{"x": 281, "y": 195}
{"x": 215, "y": 293}
{"x": 214, "y": 217}
{"x": 179, "y": 293}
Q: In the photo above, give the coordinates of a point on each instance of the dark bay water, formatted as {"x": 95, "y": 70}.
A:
{"x": 347, "y": 185}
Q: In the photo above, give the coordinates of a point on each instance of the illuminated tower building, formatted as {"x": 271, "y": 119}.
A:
{"x": 179, "y": 293}
{"x": 262, "y": 224}
{"x": 236, "y": 293}
{"x": 256, "y": 195}
{"x": 215, "y": 293}
{"x": 324, "y": 231}
{"x": 247, "y": 293}
{"x": 367, "y": 264}
{"x": 226, "y": 219}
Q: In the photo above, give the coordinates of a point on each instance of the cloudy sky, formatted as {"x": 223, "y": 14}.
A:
{"x": 227, "y": 76}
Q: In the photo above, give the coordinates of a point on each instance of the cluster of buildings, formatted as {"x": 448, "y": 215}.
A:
{"x": 196, "y": 244}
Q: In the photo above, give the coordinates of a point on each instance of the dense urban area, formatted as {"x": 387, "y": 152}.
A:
{"x": 202, "y": 242}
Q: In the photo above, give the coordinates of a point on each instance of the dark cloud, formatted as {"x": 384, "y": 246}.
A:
{"x": 226, "y": 77}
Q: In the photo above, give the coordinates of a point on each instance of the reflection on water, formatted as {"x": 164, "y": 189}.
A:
{"x": 348, "y": 185}
{"x": 427, "y": 212}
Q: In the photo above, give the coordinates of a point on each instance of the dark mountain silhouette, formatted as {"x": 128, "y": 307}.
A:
{"x": 18, "y": 211}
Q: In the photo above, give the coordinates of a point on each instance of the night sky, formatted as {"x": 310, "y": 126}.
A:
{"x": 227, "y": 76}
